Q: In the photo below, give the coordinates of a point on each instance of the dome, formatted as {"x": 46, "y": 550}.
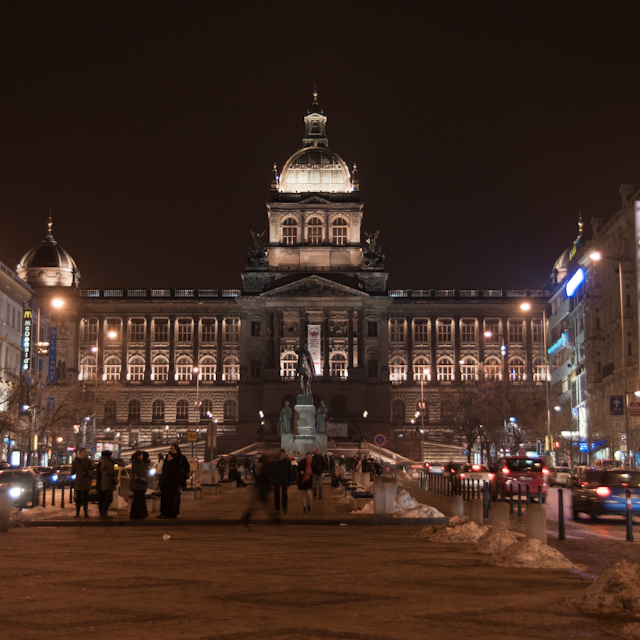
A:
{"x": 48, "y": 264}
{"x": 559, "y": 272}
{"x": 315, "y": 170}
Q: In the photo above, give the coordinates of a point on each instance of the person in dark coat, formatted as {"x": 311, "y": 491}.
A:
{"x": 138, "y": 485}
{"x": 318, "y": 465}
{"x": 171, "y": 482}
{"x": 108, "y": 483}
{"x": 222, "y": 463}
{"x": 235, "y": 475}
{"x": 82, "y": 467}
{"x": 305, "y": 481}
{"x": 282, "y": 477}
{"x": 185, "y": 468}
{"x": 260, "y": 493}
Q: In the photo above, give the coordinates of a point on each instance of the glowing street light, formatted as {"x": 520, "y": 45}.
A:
{"x": 57, "y": 303}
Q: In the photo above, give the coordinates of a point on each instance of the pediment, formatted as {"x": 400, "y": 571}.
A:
{"x": 314, "y": 287}
{"x": 315, "y": 200}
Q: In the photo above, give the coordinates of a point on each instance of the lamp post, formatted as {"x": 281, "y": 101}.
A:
{"x": 94, "y": 444}
{"x": 597, "y": 256}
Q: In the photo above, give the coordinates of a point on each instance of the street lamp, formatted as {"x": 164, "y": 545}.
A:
{"x": 596, "y": 256}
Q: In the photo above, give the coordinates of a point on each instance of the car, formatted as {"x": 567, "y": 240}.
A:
{"x": 476, "y": 472}
{"x": 48, "y": 474}
{"x": 123, "y": 472}
{"x": 522, "y": 471}
{"x": 22, "y": 485}
{"x": 64, "y": 474}
{"x": 561, "y": 476}
{"x": 603, "y": 491}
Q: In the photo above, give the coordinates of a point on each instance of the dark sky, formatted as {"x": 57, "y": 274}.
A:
{"x": 479, "y": 129}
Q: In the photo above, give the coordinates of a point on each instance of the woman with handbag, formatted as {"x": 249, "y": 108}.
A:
{"x": 139, "y": 482}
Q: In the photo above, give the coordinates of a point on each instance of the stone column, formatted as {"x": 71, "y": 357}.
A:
{"x": 326, "y": 371}
{"x": 456, "y": 348}
{"x": 172, "y": 349}
{"x": 277, "y": 323}
{"x": 409, "y": 320}
{"x": 432, "y": 342}
{"x": 219, "y": 329}
{"x": 505, "y": 341}
{"x": 147, "y": 350}
{"x": 350, "y": 335}
{"x": 125, "y": 346}
{"x": 100, "y": 353}
{"x": 528, "y": 350}
{"x": 480, "y": 339}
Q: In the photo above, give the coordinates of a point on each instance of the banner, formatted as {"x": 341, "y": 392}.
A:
{"x": 337, "y": 429}
{"x": 53, "y": 355}
{"x": 313, "y": 340}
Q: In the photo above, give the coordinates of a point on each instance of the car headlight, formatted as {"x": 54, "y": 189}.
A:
{"x": 15, "y": 492}
{"x": 73, "y": 477}
{"x": 54, "y": 478}
{"x": 152, "y": 472}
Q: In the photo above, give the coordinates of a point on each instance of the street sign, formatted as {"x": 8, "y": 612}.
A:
{"x": 616, "y": 405}
{"x": 192, "y": 436}
{"x": 380, "y": 440}
{"x": 623, "y": 439}
{"x": 521, "y": 452}
{"x": 542, "y": 447}
{"x": 465, "y": 452}
{"x": 492, "y": 450}
{"x": 618, "y": 423}
{"x": 634, "y": 408}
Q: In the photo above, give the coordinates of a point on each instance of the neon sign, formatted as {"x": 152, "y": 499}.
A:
{"x": 576, "y": 280}
{"x": 27, "y": 321}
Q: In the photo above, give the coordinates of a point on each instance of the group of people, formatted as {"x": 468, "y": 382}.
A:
{"x": 172, "y": 473}
{"x": 236, "y": 469}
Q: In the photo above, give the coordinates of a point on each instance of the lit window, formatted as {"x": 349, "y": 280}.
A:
{"x": 397, "y": 370}
{"x": 161, "y": 331}
{"x": 207, "y": 369}
{"x": 290, "y": 231}
{"x": 492, "y": 369}
{"x": 445, "y": 370}
{"x": 288, "y": 365}
{"x": 184, "y": 369}
{"x": 88, "y": 368}
{"x": 516, "y": 370}
{"x": 539, "y": 371}
{"x": 112, "y": 368}
{"x": 136, "y": 333}
{"x": 536, "y": 330}
{"x": 338, "y": 365}
{"x": 314, "y": 231}
{"x": 421, "y": 369}
{"x": 492, "y": 327}
{"x": 160, "y": 369}
{"x": 184, "y": 330}
{"x": 208, "y": 331}
{"x": 231, "y": 329}
{"x": 444, "y": 330}
{"x": 397, "y": 329}
{"x": 136, "y": 369}
{"x": 90, "y": 331}
{"x": 468, "y": 331}
{"x": 468, "y": 370}
{"x": 515, "y": 331}
{"x": 421, "y": 330}
{"x": 339, "y": 231}
{"x": 231, "y": 369}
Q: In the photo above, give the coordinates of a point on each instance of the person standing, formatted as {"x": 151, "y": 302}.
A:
{"x": 282, "y": 478}
{"x": 82, "y": 467}
{"x": 318, "y": 465}
{"x": 234, "y": 473}
{"x": 159, "y": 465}
{"x": 246, "y": 466}
{"x": 170, "y": 485}
{"x": 305, "y": 481}
{"x": 222, "y": 463}
{"x": 109, "y": 483}
{"x": 138, "y": 485}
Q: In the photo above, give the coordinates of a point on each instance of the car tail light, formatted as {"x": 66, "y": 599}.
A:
{"x": 453, "y": 471}
{"x": 505, "y": 470}
{"x": 546, "y": 472}
{"x": 603, "y": 492}
{"x": 476, "y": 467}
{"x": 462, "y": 476}
{"x": 492, "y": 476}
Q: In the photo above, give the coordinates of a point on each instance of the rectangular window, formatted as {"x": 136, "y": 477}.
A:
{"x": 231, "y": 329}
{"x": 256, "y": 328}
{"x": 339, "y": 234}
{"x": 468, "y": 331}
{"x": 372, "y": 328}
{"x": 91, "y": 331}
{"x": 208, "y": 331}
{"x": 137, "y": 330}
{"x": 290, "y": 235}
{"x": 421, "y": 330}
{"x": 184, "y": 330}
{"x": 372, "y": 368}
{"x": 516, "y": 331}
{"x": 397, "y": 330}
{"x": 536, "y": 331}
{"x": 492, "y": 327}
{"x": 114, "y": 325}
{"x": 444, "y": 330}
{"x": 256, "y": 369}
{"x": 161, "y": 331}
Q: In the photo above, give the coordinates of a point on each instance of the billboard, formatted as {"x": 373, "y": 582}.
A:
{"x": 314, "y": 334}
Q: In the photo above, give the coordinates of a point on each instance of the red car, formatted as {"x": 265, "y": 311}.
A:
{"x": 523, "y": 471}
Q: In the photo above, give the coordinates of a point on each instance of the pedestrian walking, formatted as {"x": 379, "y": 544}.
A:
{"x": 109, "y": 483}
{"x": 221, "y": 466}
{"x": 282, "y": 478}
{"x": 171, "y": 486}
{"x": 260, "y": 493}
{"x": 246, "y": 466}
{"x": 294, "y": 470}
{"x": 139, "y": 482}
{"x": 305, "y": 482}
{"x": 318, "y": 465}
{"x": 234, "y": 474}
{"x": 82, "y": 467}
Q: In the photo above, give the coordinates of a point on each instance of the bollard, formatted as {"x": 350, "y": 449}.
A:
{"x": 53, "y": 495}
{"x": 5, "y": 511}
{"x": 457, "y": 506}
{"x": 519, "y": 499}
{"x": 510, "y": 499}
{"x": 560, "y": 513}
{"x": 486, "y": 497}
{"x": 535, "y": 523}
{"x": 44, "y": 494}
{"x": 539, "y": 494}
{"x": 70, "y": 494}
{"x": 629, "y": 518}
{"x": 499, "y": 513}
{"x": 528, "y": 502}
{"x": 448, "y": 486}
{"x": 62, "y": 497}
{"x": 502, "y": 491}
{"x": 475, "y": 511}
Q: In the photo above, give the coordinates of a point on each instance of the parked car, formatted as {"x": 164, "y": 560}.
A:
{"x": 476, "y": 472}
{"x": 578, "y": 474}
{"x": 603, "y": 492}
{"x": 64, "y": 474}
{"x": 49, "y": 474}
{"x": 561, "y": 476}
{"x": 23, "y": 486}
{"x": 525, "y": 472}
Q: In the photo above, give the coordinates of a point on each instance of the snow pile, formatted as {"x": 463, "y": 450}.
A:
{"x": 631, "y": 631}
{"x": 457, "y": 530}
{"x": 496, "y": 540}
{"x": 202, "y": 476}
{"x": 18, "y": 519}
{"x": 533, "y": 554}
{"x": 368, "y": 508}
{"x": 407, "y": 506}
{"x": 617, "y": 589}
{"x": 56, "y": 512}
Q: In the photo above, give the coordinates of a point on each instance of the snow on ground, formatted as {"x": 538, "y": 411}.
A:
{"x": 532, "y": 554}
{"x": 496, "y": 540}
{"x": 617, "y": 589}
{"x": 406, "y": 507}
{"x": 459, "y": 529}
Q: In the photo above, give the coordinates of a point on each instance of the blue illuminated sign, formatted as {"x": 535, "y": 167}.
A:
{"x": 576, "y": 280}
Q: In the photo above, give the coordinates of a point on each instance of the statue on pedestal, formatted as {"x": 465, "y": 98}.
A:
{"x": 286, "y": 419}
{"x": 257, "y": 256}
{"x": 321, "y": 418}
{"x": 372, "y": 256}
{"x": 304, "y": 369}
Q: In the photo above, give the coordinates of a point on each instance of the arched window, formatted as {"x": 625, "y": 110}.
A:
{"x": 421, "y": 371}
{"x": 492, "y": 369}
{"x": 539, "y": 370}
{"x": 338, "y": 364}
{"x": 207, "y": 369}
{"x": 110, "y": 411}
{"x": 160, "y": 369}
{"x": 339, "y": 407}
{"x": 290, "y": 232}
{"x": 157, "y": 410}
{"x": 397, "y": 369}
{"x": 206, "y": 410}
{"x": 398, "y": 411}
{"x": 288, "y": 364}
{"x": 230, "y": 411}
{"x": 184, "y": 369}
{"x": 133, "y": 415}
{"x": 314, "y": 231}
{"x": 516, "y": 369}
{"x": 445, "y": 369}
{"x": 182, "y": 410}
{"x": 112, "y": 368}
{"x": 468, "y": 369}
{"x": 136, "y": 369}
{"x": 339, "y": 231}
{"x": 231, "y": 369}
{"x": 88, "y": 368}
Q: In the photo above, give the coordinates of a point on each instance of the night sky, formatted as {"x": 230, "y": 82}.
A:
{"x": 479, "y": 129}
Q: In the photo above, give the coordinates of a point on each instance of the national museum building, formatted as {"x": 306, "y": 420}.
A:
{"x": 164, "y": 360}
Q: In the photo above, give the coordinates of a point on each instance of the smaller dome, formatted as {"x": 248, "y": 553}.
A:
{"x": 315, "y": 170}
{"x": 48, "y": 264}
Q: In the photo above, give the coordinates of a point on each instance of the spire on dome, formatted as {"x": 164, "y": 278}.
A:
{"x": 315, "y": 122}
{"x": 50, "y": 227}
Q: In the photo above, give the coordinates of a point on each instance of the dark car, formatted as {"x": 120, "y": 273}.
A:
{"x": 23, "y": 486}
{"x": 49, "y": 474}
{"x": 64, "y": 474}
{"x": 524, "y": 472}
{"x": 603, "y": 492}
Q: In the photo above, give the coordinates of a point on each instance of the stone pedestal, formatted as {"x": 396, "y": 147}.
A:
{"x": 385, "y": 490}
{"x": 304, "y": 437}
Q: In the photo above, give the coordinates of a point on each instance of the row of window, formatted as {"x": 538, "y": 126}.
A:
{"x": 315, "y": 229}
{"x": 158, "y": 410}
{"x": 468, "y": 330}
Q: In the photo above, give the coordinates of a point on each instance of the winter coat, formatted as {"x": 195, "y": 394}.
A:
{"x": 222, "y": 463}
{"x": 302, "y": 465}
{"x": 109, "y": 474}
{"x": 318, "y": 464}
{"x": 185, "y": 469}
{"x": 82, "y": 467}
{"x": 282, "y": 472}
{"x": 139, "y": 479}
{"x": 171, "y": 478}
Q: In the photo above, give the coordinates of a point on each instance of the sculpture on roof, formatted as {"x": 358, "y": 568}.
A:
{"x": 372, "y": 256}
{"x": 258, "y": 254}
